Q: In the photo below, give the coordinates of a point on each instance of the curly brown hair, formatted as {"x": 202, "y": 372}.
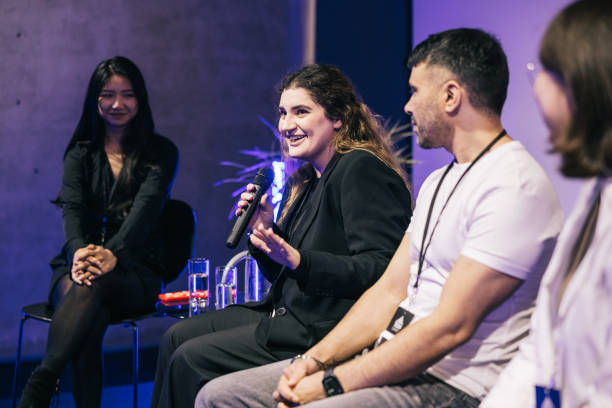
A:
{"x": 329, "y": 87}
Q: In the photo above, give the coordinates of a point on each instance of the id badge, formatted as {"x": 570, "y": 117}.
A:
{"x": 547, "y": 397}
{"x": 401, "y": 319}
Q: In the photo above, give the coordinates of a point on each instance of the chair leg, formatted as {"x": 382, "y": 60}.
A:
{"x": 56, "y": 396}
{"x": 18, "y": 359}
{"x": 135, "y": 362}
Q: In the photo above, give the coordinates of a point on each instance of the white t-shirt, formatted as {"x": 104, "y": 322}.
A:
{"x": 504, "y": 214}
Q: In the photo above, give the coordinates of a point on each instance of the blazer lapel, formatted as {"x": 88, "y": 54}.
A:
{"x": 312, "y": 207}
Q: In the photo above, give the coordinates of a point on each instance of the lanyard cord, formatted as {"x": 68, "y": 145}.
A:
{"x": 424, "y": 248}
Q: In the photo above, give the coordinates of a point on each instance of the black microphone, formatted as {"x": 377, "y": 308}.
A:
{"x": 262, "y": 181}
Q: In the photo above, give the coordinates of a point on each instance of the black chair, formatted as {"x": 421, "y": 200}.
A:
{"x": 179, "y": 225}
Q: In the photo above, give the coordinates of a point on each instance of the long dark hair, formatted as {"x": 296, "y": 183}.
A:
{"x": 360, "y": 129}
{"x": 91, "y": 127}
{"x": 574, "y": 50}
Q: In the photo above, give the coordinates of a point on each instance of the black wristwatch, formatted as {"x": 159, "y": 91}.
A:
{"x": 331, "y": 384}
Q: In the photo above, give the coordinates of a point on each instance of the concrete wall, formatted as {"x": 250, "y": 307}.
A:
{"x": 519, "y": 25}
{"x": 210, "y": 67}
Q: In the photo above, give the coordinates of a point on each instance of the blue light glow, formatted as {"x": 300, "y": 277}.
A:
{"x": 277, "y": 185}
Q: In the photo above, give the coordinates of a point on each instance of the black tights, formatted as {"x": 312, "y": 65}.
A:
{"x": 81, "y": 317}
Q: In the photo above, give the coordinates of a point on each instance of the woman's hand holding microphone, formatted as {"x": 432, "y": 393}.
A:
{"x": 262, "y": 236}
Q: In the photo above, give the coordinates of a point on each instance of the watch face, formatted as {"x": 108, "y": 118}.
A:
{"x": 331, "y": 384}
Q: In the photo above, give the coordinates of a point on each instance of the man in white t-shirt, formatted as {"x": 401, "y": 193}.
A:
{"x": 483, "y": 230}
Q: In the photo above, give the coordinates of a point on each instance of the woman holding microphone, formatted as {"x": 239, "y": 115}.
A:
{"x": 343, "y": 214}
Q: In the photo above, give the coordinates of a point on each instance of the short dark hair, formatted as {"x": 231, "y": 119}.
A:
{"x": 574, "y": 50}
{"x": 475, "y": 57}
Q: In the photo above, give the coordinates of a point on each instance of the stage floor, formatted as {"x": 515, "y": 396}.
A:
{"x": 112, "y": 397}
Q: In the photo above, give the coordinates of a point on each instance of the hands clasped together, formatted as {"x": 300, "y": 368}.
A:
{"x": 91, "y": 262}
{"x": 262, "y": 234}
{"x": 301, "y": 383}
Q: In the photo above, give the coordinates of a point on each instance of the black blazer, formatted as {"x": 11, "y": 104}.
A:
{"x": 135, "y": 239}
{"x": 351, "y": 226}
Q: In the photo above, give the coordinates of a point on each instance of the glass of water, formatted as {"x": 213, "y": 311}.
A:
{"x": 197, "y": 269}
{"x": 226, "y": 286}
{"x": 254, "y": 282}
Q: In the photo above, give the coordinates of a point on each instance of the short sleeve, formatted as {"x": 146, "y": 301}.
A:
{"x": 513, "y": 230}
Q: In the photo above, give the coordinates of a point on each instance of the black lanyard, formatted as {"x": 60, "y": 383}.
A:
{"x": 424, "y": 248}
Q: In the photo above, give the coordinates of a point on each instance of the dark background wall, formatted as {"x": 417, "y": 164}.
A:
{"x": 210, "y": 67}
{"x": 369, "y": 41}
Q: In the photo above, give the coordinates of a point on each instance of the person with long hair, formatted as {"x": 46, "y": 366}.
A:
{"x": 344, "y": 213}
{"x": 117, "y": 176}
{"x": 566, "y": 360}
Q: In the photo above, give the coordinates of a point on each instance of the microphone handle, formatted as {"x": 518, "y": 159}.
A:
{"x": 243, "y": 219}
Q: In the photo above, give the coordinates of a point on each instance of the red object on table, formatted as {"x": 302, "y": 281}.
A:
{"x": 180, "y": 298}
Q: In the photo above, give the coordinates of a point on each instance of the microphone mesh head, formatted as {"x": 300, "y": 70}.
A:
{"x": 264, "y": 177}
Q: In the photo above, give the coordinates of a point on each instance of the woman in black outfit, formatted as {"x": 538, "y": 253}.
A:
{"x": 344, "y": 213}
{"x": 117, "y": 176}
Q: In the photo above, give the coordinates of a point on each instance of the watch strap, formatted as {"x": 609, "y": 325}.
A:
{"x": 331, "y": 384}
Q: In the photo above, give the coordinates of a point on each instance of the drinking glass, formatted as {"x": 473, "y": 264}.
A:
{"x": 197, "y": 269}
{"x": 226, "y": 286}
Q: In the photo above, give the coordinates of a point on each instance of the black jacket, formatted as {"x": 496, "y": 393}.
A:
{"x": 87, "y": 184}
{"x": 351, "y": 226}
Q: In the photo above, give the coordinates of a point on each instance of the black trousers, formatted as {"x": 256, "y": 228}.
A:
{"x": 82, "y": 314}
{"x": 198, "y": 349}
